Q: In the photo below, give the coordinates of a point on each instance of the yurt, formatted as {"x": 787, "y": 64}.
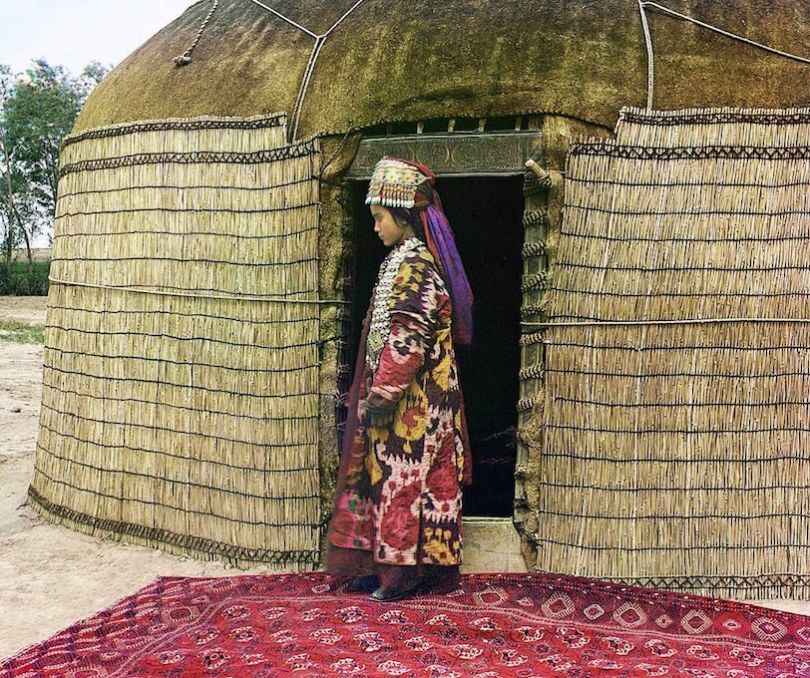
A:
{"x": 638, "y": 388}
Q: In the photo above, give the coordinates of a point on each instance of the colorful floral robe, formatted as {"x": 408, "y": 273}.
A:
{"x": 399, "y": 492}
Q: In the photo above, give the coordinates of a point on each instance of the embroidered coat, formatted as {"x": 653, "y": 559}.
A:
{"x": 399, "y": 493}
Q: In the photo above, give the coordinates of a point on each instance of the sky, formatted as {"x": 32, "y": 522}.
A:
{"x": 72, "y": 33}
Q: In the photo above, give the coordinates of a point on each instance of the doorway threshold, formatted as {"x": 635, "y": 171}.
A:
{"x": 491, "y": 545}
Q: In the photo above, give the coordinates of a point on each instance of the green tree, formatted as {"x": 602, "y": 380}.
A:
{"x": 15, "y": 198}
{"x": 37, "y": 110}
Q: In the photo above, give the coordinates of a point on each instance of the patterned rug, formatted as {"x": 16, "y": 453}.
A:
{"x": 493, "y": 626}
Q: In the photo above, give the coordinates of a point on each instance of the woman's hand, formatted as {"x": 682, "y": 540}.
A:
{"x": 375, "y": 415}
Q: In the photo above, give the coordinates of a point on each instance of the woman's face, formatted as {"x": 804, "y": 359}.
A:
{"x": 389, "y": 231}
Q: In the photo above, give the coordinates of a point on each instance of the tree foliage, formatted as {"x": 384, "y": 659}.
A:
{"x": 37, "y": 110}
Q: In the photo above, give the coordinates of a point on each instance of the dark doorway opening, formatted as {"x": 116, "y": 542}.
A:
{"x": 486, "y": 215}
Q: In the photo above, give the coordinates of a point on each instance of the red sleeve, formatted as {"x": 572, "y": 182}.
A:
{"x": 413, "y": 317}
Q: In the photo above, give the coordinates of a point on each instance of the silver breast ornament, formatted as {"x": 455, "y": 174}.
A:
{"x": 380, "y": 325}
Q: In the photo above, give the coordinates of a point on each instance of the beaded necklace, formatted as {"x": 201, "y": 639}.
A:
{"x": 380, "y": 325}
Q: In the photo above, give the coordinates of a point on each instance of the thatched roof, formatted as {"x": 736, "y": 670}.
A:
{"x": 396, "y": 61}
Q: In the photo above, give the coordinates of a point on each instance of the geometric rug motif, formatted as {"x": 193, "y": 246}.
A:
{"x": 492, "y": 626}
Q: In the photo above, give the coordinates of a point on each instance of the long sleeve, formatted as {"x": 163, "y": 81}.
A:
{"x": 412, "y": 309}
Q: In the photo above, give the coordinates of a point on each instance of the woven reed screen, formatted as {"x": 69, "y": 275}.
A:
{"x": 761, "y": 127}
{"x": 676, "y": 452}
{"x": 180, "y": 401}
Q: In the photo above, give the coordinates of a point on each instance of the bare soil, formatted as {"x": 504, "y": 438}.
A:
{"x": 51, "y": 576}
{"x": 25, "y": 309}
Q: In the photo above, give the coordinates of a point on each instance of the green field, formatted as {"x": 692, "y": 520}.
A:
{"x": 19, "y": 278}
{"x": 21, "y": 333}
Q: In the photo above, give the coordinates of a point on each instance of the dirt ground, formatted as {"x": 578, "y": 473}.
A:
{"x": 25, "y": 309}
{"x": 51, "y": 576}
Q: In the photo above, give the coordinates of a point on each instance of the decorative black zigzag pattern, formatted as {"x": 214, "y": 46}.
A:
{"x": 717, "y": 117}
{"x": 197, "y": 543}
{"x": 697, "y": 153}
{"x": 202, "y": 157}
{"x": 277, "y": 120}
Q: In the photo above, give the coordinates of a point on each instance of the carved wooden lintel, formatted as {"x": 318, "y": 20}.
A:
{"x": 451, "y": 154}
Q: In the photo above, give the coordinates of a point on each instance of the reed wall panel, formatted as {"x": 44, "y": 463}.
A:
{"x": 677, "y": 375}
{"x": 714, "y": 127}
{"x": 181, "y": 385}
{"x": 245, "y": 135}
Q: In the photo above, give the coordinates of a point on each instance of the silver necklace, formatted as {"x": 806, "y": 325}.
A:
{"x": 380, "y": 325}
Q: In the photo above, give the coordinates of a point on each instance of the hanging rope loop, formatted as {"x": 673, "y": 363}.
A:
{"x": 185, "y": 58}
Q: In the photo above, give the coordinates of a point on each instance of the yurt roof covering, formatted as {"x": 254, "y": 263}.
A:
{"x": 395, "y": 61}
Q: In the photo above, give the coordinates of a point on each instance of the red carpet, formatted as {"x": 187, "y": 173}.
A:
{"x": 495, "y": 625}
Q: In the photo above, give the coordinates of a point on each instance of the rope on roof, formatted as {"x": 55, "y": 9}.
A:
{"x": 313, "y": 57}
{"x": 185, "y": 58}
{"x": 287, "y": 19}
{"x": 345, "y": 15}
{"x": 650, "y": 56}
{"x": 302, "y": 90}
{"x": 644, "y": 4}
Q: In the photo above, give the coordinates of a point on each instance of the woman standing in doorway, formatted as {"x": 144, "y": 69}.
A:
{"x": 396, "y": 525}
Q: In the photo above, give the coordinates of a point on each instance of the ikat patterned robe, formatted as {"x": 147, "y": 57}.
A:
{"x": 402, "y": 494}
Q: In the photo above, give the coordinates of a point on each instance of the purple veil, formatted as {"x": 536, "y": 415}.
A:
{"x": 442, "y": 245}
